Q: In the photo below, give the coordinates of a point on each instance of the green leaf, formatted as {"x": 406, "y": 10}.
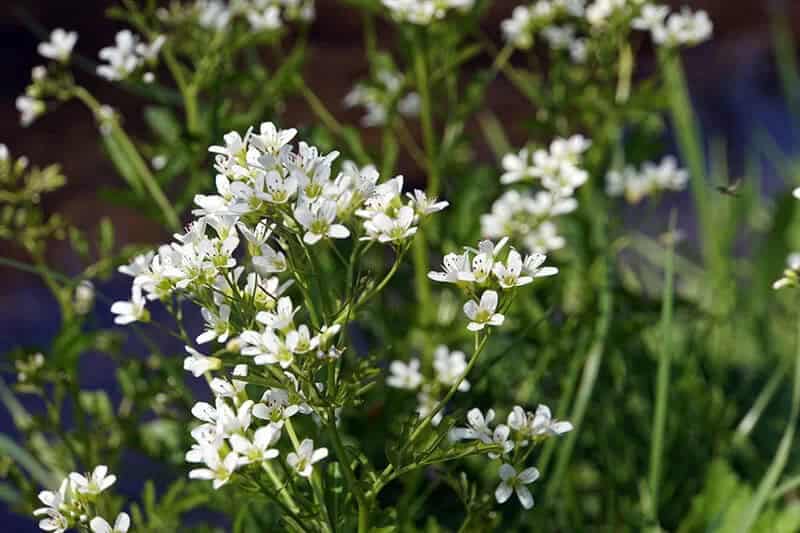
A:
{"x": 27, "y": 462}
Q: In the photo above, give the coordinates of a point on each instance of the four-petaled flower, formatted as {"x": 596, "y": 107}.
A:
{"x": 306, "y": 456}
{"x": 483, "y": 313}
{"x": 511, "y": 481}
{"x": 96, "y": 483}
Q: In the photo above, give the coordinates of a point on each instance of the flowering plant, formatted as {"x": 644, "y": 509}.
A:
{"x": 293, "y": 360}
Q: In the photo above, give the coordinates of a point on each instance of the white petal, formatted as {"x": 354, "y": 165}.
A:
{"x": 503, "y": 492}
{"x": 529, "y": 475}
{"x": 524, "y": 495}
{"x": 507, "y": 472}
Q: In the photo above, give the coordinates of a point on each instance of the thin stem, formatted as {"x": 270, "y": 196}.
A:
{"x": 479, "y": 345}
{"x": 349, "y": 475}
{"x": 327, "y": 118}
{"x": 134, "y": 159}
{"x": 426, "y": 114}
{"x": 663, "y": 378}
{"x": 280, "y": 488}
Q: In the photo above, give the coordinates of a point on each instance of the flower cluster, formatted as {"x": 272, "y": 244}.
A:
{"x": 489, "y": 271}
{"x": 636, "y": 184}
{"x": 128, "y": 55}
{"x": 526, "y": 216}
{"x": 383, "y": 96}
{"x": 570, "y": 24}
{"x": 683, "y": 28}
{"x": 449, "y": 369}
{"x": 527, "y": 21}
{"x": 273, "y": 204}
{"x": 228, "y": 440}
{"x": 261, "y": 15}
{"x": 424, "y": 12}
{"x": 522, "y": 429}
{"x": 270, "y": 194}
{"x": 58, "y": 49}
{"x": 72, "y": 504}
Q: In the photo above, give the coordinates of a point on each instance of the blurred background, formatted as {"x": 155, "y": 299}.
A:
{"x": 733, "y": 80}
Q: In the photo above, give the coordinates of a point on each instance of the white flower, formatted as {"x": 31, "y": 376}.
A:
{"x": 121, "y": 58}
{"x": 483, "y": 313}
{"x": 218, "y": 470}
{"x": 514, "y": 482}
{"x": 791, "y": 276}
{"x": 317, "y": 218}
{"x": 217, "y": 325}
{"x": 121, "y": 524}
{"x": 270, "y": 139}
{"x": 517, "y": 29}
{"x": 684, "y": 28}
{"x": 500, "y": 437}
{"x": 223, "y": 416}
{"x": 300, "y": 340}
{"x": 449, "y": 367}
{"x": 305, "y": 457}
{"x": 60, "y": 45}
{"x": 270, "y": 260}
{"x": 509, "y": 275}
{"x": 544, "y": 424}
{"x": 533, "y": 266}
{"x": 426, "y": 403}
{"x": 517, "y": 167}
{"x": 404, "y": 376}
{"x": 478, "y": 427}
{"x": 133, "y": 310}
{"x": 282, "y": 319}
{"x": 274, "y": 407}
{"x": 198, "y": 364}
{"x": 54, "y": 520}
{"x": 455, "y": 268}
{"x": 139, "y": 265}
{"x": 796, "y": 193}
{"x": 423, "y": 205}
{"x": 235, "y": 145}
{"x": 544, "y": 238}
{"x": 149, "y": 52}
{"x": 268, "y": 19}
{"x": 387, "y": 229}
{"x": 651, "y": 17}
{"x": 29, "y": 108}
{"x": 257, "y": 450}
{"x": 96, "y": 483}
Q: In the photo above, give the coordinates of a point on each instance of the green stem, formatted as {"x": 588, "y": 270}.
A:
{"x": 687, "y": 131}
{"x": 187, "y": 90}
{"x": 349, "y": 475}
{"x": 386, "y": 475}
{"x": 479, "y": 345}
{"x": 426, "y": 116}
{"x": 663, "y": 378}
{"x": 135, "y": 160}
{"x": 330, "y": 122}
{"x": 421, "y": 282}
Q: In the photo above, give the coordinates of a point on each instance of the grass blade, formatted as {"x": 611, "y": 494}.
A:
{"x": 767, "y": 485}
{"x": 663, "y": 378}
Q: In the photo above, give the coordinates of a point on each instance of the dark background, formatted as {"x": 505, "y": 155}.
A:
{"x": 733, "y": 81}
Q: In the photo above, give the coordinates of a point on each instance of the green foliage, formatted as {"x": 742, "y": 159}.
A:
{"x": 674, "y": 359}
